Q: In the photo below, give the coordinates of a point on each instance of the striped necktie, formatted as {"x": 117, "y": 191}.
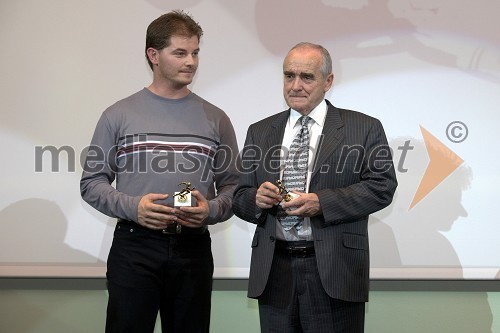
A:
{"x": 295, "y": 172}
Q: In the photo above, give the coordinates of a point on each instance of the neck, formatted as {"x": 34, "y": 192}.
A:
{"x": 168, "y": 91}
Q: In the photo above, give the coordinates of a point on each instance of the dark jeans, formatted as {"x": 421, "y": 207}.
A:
{"x": 149, "y": 272}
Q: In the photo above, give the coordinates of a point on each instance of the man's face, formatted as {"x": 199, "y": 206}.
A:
{"x": 304, "y": 85}
{"x": 177, "y": 63}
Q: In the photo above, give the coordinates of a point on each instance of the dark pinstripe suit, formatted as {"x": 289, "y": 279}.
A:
{"x": 349, "y": 189}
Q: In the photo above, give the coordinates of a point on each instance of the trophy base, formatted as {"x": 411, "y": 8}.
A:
{"x": 289, "y": 197}
{"x": 182, "y": 200}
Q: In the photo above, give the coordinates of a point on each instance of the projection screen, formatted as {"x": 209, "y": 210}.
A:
{"x": 429, "y": 70}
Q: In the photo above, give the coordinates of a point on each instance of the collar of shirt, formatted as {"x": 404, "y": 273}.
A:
{"x": 318, "y": 114}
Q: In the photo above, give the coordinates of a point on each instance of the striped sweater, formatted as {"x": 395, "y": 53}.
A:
{"x": 150, "y": 144}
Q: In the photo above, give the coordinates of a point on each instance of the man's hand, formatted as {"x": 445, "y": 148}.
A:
{"x": 152, "y": 215}
{"x": 194, "y": 217}
{"x": 267, "y": 195}
{"x": 305, "y": 205}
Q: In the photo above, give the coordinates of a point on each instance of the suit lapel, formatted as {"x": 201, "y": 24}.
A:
{"x": 332, "y": 136}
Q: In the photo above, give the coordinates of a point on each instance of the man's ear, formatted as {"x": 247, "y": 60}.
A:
{"x": 329, "y": 82}
{"x": 152, "y": 55}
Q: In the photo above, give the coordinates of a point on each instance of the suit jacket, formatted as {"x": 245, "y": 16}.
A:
{"x": 353, "y": 176}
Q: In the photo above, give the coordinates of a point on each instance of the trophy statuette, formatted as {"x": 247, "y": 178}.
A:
{"x": 285, "y": 194}
{"x": 183, "y": 197}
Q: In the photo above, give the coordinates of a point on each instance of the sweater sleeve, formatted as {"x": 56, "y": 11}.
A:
{"x": 99, "y": 172}
{"x": 225, "y": 173}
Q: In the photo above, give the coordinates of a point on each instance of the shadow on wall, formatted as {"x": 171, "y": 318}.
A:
{"x": 33, "y": 232}
{"x": 416, "y": 238}
{"x": 420, "y": 231}
{"x": 456, "y": 34}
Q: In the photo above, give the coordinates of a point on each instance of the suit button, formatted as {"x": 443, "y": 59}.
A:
{"x": 272, "y": 238}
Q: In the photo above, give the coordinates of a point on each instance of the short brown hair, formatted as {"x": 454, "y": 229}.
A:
{"x": 177, "y": 23}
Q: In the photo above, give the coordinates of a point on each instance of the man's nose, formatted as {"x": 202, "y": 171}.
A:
{"x": 189, "y": 60}
{"x": 297, "y": 84}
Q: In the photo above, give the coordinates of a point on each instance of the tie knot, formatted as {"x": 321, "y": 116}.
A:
{"x": 304, "y": 120}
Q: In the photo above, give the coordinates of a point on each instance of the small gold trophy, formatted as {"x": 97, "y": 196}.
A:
{"x": 285, "y": 194}
{"x": 183, "y": 198}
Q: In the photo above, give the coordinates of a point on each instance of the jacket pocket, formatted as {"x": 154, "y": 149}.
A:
{"x": 355, "y": 241}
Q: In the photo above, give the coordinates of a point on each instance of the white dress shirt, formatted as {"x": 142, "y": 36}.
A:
{"x": 293, "y": 126}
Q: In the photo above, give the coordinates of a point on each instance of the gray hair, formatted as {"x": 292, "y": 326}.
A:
{"x": 326, "y": 65}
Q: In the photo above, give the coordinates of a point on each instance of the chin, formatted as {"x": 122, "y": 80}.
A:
{"x": 297, "y": 105}
{"x": 184, "y": 82}
{"x": 299, "y": 108}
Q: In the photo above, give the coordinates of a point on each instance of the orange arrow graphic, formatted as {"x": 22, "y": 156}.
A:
{"x": 442, "y": 162}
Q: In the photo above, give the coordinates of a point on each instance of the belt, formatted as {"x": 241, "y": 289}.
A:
{"x": 172, "y": 229}
{"x": 295, "y": 249}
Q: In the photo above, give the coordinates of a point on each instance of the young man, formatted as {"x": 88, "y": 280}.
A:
{"x": 150, "y": 143}
{"x": 310, "y": 260}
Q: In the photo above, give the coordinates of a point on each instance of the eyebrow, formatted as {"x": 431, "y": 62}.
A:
{"x": 301, "y": 74}
{"x": 184, "y": 50}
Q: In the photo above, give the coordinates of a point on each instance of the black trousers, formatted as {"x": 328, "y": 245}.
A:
{"x": 149, "y": 272}
{"x": 294, "y": 301}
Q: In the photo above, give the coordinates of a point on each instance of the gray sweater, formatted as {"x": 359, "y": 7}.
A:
{"x": 150, "y": 144}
